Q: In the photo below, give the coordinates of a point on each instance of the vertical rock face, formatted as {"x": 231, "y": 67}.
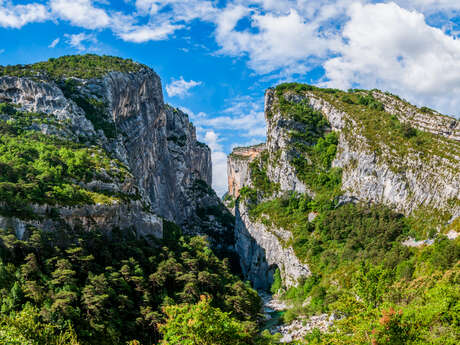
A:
{"x": 124, "y": 114}
{"x": 262, "y": 250}
{"x": 408, "y": 175}
{"x": 159, "y": 141}
{"x": 279, "y": 147}
{"x": 376, "y": 172}
{"x": 238, "y": 167}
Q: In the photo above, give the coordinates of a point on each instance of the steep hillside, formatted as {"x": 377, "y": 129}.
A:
{"x": 102, "y": 187}
{"x": 112, "y": 108}
{"x": 330, "y": 209}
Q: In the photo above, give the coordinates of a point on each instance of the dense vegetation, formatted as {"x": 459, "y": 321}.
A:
{"x": 77, "y": 288}
{"x": 45, "y": 169}
{"x": 383, "y": 291}
{"x": 205, "y": 325}
{"x": 80, "y": 66}
{"x": 313, "y": 145}
{"x": 356, "y": 250}
{"x": 108, "y": 291}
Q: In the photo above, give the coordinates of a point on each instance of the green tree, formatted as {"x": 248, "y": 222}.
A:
{"x": 26, "y": 328}
{"x": 202, "y": 324}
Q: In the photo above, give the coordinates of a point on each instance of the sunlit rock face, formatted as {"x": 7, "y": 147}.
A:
{"x": 373, "y": 170}
{"x": 238, "y": 169}
{"x": 262, "y": 251}
{"x": 169, "y": 170}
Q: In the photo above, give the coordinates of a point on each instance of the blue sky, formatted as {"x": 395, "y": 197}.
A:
{"x": 216, "y": 58}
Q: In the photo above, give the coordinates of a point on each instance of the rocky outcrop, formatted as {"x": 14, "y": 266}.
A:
{"x": 124, "y": 113}
{"x": 409, "y": 181}
{"x": 157, "y": 142}
{"x": 262, "y": 250}
{"x": 238, "y": 167}
{"x": 404, "y": 182}
{"x": 424, "y": 119}
{"x": 105, "y": 218}
{"x": 279, "y": 147}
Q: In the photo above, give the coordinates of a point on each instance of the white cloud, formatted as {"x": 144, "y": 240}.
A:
{"x": 144, "y": 33}
{"x": 178, "y": 10}
{"x": 219, "y": 163}
{"x": 80, "y": 13}
{"x": 16, "y": 16}
{"x": 431, "y": 5}
{"x": 212, "y": 140}
{"x": 279, "y": 40}
{"x": 127, "y": 28}
{"x": 394, "y": 49}
{"x": 252, "y": 124}
{"x": 244, "y": 115}
{"x": 181, "y": 87}
{"x": 77, "y": 41}
{"x": 54, "y": 43}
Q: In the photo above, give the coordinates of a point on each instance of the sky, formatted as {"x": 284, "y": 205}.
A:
{"x": 216, "y": 58}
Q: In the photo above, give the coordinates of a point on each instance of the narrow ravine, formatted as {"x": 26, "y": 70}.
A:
{"x": 273, "y": 311}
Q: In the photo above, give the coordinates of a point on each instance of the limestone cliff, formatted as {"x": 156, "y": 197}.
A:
{"x": 386, "y": 152}
{"x": 238, "y": 169}
{"x": 262, "y": 250}
{"x": 123, "y": 114}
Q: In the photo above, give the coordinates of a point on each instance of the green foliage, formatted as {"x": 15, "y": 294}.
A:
{"x": 371, "y": 283}
{"x": 347, "y": 99}
{"x": 80, "y": 66}
{"x": 314, "y": 167}
{"x": 95, "y": 112}
{"x": 7, "y": 108}
{"x": 259, "y": 178}
{"x": 113, "y": 290}
{"x": 301, "y": 88}
{"x": 313, "y": 122}
{"x": 369, "y": 101}
{"x": 25, "y": 328}
{"x": 277, "y": 282}
{"x": 360, "y": 269}
{"x": 392, "y": 329}
{"x": 426, "y": 110}
{"x": 229, "y": 200}
{"x": 41, "y": 169}
{"x": 192, "y": 324}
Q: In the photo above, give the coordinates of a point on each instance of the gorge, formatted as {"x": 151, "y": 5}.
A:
{"x": 105, "y": 201}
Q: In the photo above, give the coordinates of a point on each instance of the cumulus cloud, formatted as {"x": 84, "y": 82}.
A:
{"x": 78, "y": 41}
{"x": 177, "y": 10}
{"x": 394, "y": 49}
{"x": 430, "y": 5}
{"x": 80, "y": 13}
{"x": 244, "y": 115}
{"x": 278, "y": 40}
{"x": 181, "y": 87}
{"x": 219, "y": 163}
{"x": 16, "y": 16}
{"x": 252, "y": 124}
{"x": 54, "y": 43}
{"x": 144, "y": 33}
